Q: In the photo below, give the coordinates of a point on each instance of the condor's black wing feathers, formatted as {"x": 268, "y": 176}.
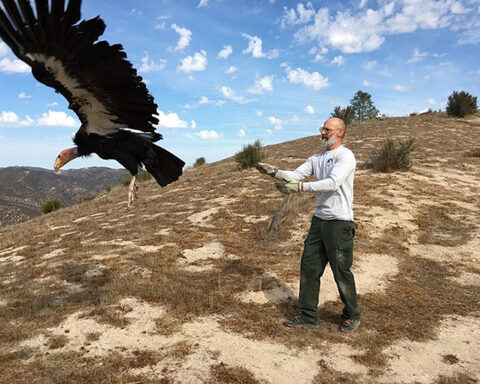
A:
{"x": 95, "y": 77}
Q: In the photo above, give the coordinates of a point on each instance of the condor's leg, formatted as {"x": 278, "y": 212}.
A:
{"x": 132, "y": 191}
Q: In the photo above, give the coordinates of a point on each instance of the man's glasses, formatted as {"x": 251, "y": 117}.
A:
{"x": 328, "y": 130}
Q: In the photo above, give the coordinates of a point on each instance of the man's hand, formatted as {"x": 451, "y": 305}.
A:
{"x": 267, "y": 169}
{"x": 291, "y": 187}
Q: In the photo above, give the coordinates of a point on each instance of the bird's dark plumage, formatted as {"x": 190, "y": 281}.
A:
{"x": 95, "y": 77}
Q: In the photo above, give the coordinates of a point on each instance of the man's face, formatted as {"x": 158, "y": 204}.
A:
{"x": 329, "y": 135}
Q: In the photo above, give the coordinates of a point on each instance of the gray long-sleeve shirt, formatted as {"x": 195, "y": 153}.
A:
{"x": 334, "y": 172}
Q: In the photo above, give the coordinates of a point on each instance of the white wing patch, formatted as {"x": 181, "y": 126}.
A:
{"x": 99, "y": 120}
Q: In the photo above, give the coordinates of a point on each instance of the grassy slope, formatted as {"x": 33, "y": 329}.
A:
{"x": 46, "y": 263}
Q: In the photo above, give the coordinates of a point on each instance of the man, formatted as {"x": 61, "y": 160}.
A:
{"x": 330, "y": 238}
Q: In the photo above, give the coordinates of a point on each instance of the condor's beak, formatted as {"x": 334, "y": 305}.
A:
{"x": 64, "y": 157}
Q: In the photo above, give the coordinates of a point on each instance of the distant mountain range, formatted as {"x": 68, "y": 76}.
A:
{"x": 23, "y": 190}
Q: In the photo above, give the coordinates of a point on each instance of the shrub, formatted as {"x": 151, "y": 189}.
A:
{"x": 250, "y": 155}
{"x": 199, "y": 162}
{"x": 461, "y": 104}
{"x": 392, "y": 157}
{"x": 87, "y": 198}
{"x": 141, "y": 176}
{"x": 51, "y": 205}
{"x": 346, "y": 114}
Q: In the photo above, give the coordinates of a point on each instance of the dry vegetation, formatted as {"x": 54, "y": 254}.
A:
{"x": 186, "y": 288}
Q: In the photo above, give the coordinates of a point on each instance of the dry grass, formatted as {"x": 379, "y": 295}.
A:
{"x": 222, "y": 374}
{"x": 89, "y": 257}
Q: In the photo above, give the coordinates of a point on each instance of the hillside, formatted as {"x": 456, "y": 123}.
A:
{"x": 185, "y": 288}
{"x": 23, "y": 190}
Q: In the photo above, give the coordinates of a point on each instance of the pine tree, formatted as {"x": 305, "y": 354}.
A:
{"x": 363, "y": 107}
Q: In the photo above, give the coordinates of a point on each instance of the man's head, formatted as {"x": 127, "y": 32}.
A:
{"x": 332, "y": 131}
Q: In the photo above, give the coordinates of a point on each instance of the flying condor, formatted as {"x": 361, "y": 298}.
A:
{"x": 100, "y": 84}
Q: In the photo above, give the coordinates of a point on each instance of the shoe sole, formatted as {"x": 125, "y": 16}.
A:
{"x": 349, "y": 330}
{"x": 301, "y": 325}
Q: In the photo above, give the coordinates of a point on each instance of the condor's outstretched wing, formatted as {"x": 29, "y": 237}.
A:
{"x": 100, "y": 85}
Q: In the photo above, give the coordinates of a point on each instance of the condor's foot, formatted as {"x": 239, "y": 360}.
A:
{"x": 132, "y": 192}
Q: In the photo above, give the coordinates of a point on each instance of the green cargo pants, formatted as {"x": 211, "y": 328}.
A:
{"x": 328, "y": 241}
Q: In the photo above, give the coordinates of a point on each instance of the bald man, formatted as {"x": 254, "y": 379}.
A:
{"x": 330, "y": 238}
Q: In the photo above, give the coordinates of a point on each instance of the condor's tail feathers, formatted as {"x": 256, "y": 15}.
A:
{"x": 164, "y": 166}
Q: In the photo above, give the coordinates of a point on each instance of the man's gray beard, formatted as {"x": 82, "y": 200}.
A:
{"x": 331, "y": 140}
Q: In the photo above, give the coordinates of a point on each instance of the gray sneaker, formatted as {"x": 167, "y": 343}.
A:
{"x": 349, "y": 325}
{"x": 298, "y": 322}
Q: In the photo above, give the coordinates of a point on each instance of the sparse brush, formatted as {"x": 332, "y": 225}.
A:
{"x": 346, "y": 114}
{"x": 473, "y": 153}
{"x": 51, "y": 205}
{"x": 141, "y": 177}
{"x": 461, "y": 104}
{"x": 87, "y": 198}
{"x": 199, "y": 162}
{"x": 392, "y": 157}
{"x": 250, "y": 155}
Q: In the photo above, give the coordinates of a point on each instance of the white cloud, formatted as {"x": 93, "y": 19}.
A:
{"x": 268, "y": 132}
{"x": 54, "y": 104}
{"x": 401, "y": 88}
{"x": 56, "y": 119}
{"x": 15, "y": 66}
{"x": 431, "y": 101}
{"x": 8, "y": 117}
{"x": 309, "y": 109}
{"x": 338, "y": 61}
{"x": 3, "y": 48}
{"x": 231, "y": 69}
{"x": 151, "y": 66}
{"x": 185, "y": 37}
{"x": 259, "y": 113}
{"x": 170, "y": 120}
{"x": 208, "y": 135}
{"x": 276, "y": 122}
{"x": 366, "y": 83}
{"x": 161, "y": 25}
{"x": 302, "y": 15}
{"x": 203, "y": 3}
{"x": 230, "y": 94}
{"x": 23, "y": 95}
{"x": 27, "y": 121}
{"x": 241, "y": 132}
{"x": 365, "y": 30}
{"x": 255, "y": 48}
{"x": 262, "y": 85}
{"x": 417, "y": 56}
{"x": 197, "y": 62}
{"x": 312, "y": 80}
{"x": 193, "y": 124}
{"x": 225, "y": 52}
{"x": 362, "y": 4}
{"x": 205, "y": 100}
{"x": 369, "y": 64}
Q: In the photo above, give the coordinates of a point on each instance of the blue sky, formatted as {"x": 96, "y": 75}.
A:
{"x": 225, "y": 73}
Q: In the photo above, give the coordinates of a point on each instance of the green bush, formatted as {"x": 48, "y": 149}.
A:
{"x": 461, "y": 104}
{"x": 199, "y": 162}
{"x": 392, "y": 157}
{"x": 250, "y": 155}
{"x": 141, "y": 176}
{"x": 346, "y": 114}
{"x": 51, "y": 205}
